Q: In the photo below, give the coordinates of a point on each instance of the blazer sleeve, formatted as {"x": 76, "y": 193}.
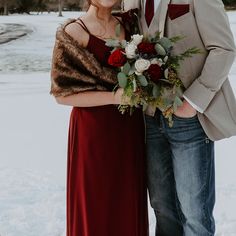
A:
{"x": 214, "y": 29}
{"x": 131, "y": 4}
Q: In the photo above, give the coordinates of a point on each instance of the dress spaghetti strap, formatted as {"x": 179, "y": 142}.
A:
{"x": 81, "y": 23}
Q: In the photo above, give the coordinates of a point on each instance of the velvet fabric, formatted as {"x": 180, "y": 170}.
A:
{"x": 106, "y": 165}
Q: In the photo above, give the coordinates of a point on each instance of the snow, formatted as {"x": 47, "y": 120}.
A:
{"x": 33, "y": 139}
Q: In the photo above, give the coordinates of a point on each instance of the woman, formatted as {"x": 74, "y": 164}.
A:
{"x": 106, "y": 185}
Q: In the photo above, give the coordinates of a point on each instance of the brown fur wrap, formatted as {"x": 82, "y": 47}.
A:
{"x": 75, "y": 69}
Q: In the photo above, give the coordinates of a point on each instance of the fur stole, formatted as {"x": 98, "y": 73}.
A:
{"x": 75, "y": 69}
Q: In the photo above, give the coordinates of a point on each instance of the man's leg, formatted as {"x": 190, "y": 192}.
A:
{"x": 194, "y": 171}
{"x": 161, "y": 182}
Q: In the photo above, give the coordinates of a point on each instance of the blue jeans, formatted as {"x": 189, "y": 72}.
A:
{"x": 181, "y": 176}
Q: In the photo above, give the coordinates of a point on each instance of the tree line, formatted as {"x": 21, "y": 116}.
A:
{"x": 229, "y": 2}
{"x": 26, "y": 6}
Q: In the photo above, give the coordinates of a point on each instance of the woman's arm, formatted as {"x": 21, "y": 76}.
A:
{"x": 92, "y": 99}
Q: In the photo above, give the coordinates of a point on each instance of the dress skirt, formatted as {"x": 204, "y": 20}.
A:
{"x": 106, "y": 173}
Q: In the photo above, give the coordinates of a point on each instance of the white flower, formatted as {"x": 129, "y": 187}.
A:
{"x": 141, "y": 65}
{"x": 137, "y": 39}
{"x": 166, "y": 73}
{"x": 130, "y": 50}
{"x": 157, "y": 61}
{"x": 166, "y": 59}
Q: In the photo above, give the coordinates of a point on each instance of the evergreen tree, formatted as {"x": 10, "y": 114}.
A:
{"x": 229, "y": 2}
{"x": 60, "y": 6}
{"x": 41, "y": 5}
{"x": 24, "y": 6}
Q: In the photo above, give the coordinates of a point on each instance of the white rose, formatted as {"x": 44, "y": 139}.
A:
{"x": 137, "y": 39}
{"x": 130, "y": 50}
{"x": 141, "y": 65}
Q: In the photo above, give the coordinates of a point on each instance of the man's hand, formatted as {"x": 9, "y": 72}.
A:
{"x": 185, "y": 111}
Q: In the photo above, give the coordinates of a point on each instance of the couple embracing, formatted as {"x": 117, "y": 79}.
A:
{"x": 114, "y": 158}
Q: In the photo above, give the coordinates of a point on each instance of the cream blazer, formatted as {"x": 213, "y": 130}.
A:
{"x": 205, "y": 75}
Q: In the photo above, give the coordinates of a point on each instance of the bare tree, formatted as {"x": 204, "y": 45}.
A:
{"x": 60, "y": 6}
{"x": 5, "y": 5}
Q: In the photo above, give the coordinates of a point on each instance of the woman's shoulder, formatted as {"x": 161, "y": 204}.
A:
{"x": 73, "y": 28}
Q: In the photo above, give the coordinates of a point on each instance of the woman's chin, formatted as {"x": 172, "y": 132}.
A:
{"x": 106, "y": 3}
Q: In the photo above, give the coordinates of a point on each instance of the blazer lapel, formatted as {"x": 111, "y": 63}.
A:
{"x": 143, "y": 20}
{"x": 162, "y": 16}
{"x": 154, "y": 26}
{"x": 158, "y": 21}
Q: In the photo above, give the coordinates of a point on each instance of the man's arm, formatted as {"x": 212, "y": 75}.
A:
{"x": 215, "y": 32}
{"x": 131, "y": 4}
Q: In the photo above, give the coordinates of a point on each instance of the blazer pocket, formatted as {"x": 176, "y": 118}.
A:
{"x": 177, "y": 10}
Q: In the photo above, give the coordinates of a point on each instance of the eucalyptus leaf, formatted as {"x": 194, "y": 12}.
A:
{"x": 118, "y": 30}
{"x": 166, "y": 102}
{"x": 156, "y": 91}
{"x": 160, "y": 49}
{"x": 132, "y": 70}
{"x": 112, "y": 43}
{"x": 143, "y": 81}
{"x": 179, "y": 91}
{"x": 178, "y": 101}
{"x": 121, "y": 75}
{"x": 126, "y": 68}
{"x": 175, "y": 107}
{"x": 166, "y": 43}
{"x": 122, "y": 78}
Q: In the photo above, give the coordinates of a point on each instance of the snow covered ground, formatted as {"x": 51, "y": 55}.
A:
{"x": 33, "y": 139}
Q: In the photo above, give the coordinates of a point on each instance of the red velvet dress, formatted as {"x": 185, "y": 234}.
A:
{"x": 106, "y": 179}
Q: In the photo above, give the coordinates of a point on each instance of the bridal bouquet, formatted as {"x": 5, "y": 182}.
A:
{"x": 148, "y": 72}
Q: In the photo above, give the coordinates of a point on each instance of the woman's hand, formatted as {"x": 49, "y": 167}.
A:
{"x": 119, "y": 98}
{"x": 185, "y": 111}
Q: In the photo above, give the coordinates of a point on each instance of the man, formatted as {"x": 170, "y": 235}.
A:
{"x": 181, "y": 178}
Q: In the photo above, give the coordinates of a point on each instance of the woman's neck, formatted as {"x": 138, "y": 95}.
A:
{"x": 100, "y": 14}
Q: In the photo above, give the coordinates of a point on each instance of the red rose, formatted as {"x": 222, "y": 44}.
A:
{"x": 117, "y": 58}
{"x": 155, "y": 72}
{"x": 147, "y": 48}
